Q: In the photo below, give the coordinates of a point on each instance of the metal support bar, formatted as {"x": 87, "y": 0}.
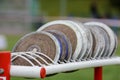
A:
{"x": 98, "y": 73}
{"x": 40, "y": 72}
{"x": 81, "y": 65}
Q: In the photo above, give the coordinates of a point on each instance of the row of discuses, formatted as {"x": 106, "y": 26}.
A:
{"x": 66, "y": 40}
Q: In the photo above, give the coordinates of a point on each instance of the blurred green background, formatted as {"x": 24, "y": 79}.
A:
{"x": 43, "y": 8}
{"x": 79, "y": 8}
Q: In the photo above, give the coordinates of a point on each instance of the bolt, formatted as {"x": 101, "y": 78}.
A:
{"x": 1, "y": 71}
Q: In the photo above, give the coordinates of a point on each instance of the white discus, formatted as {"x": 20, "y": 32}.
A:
{"x": 98, "y": 42}
{"x": 90, "y": 43}
{"x": 111, "y": 34}
{"x": 83, "y": 32}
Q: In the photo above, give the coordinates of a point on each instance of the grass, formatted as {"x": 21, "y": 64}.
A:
{"x": 12, "y": 39}
{"x": 73, "y": 7}
{"x": 109, "y": 72}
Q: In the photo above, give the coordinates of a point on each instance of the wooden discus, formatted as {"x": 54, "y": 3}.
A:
{"x": 43, "y": 42}
{"x": 66, "y": 48}
{"x": 82, "y": 35}
{"x": 70, "y": 30}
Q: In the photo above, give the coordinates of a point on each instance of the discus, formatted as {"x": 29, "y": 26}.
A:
{"x": 43, "y": 42}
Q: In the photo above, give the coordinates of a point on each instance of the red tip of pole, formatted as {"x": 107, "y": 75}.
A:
{"x": 43, "y": 72}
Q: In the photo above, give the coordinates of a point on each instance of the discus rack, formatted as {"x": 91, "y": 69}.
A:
{"x": 7, "y": 69}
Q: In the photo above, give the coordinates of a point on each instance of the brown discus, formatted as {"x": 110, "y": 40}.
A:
{"x": 70, "y": 30}
{"x": 43, "y": 42}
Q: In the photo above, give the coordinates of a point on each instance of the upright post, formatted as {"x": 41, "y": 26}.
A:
{"x": 5, "y": 65}
{"x": 98, "y": 73}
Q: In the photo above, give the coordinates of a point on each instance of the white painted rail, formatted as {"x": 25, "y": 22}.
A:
{"x": 35, "y": 71}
